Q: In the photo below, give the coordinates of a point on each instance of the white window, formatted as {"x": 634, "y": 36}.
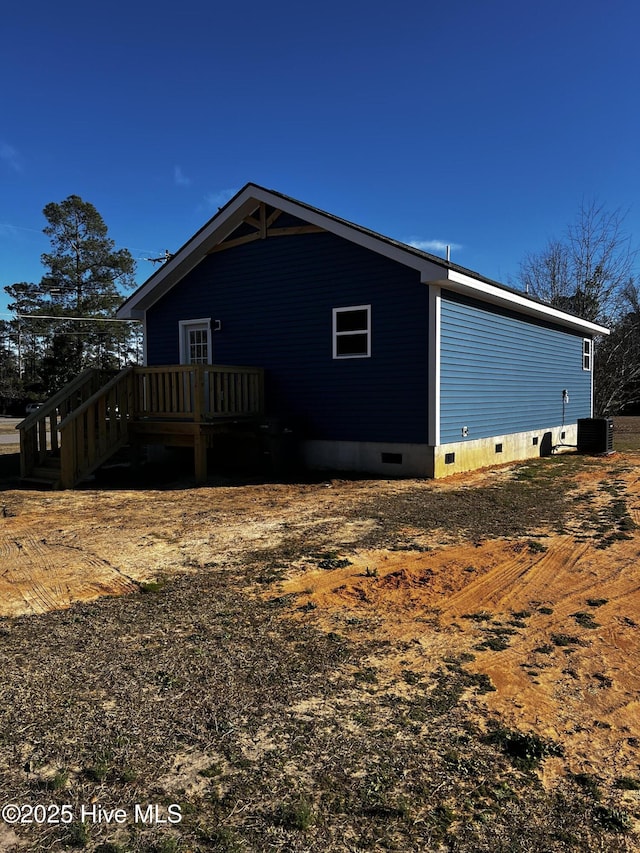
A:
{"x": 352, "y": 332}
{"x": 586, "y": 353}
{"x": 195, "y": 341}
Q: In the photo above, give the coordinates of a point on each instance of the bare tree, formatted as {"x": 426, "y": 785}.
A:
{"x": 590, "y": 273}
{"x": 617, "y": 379}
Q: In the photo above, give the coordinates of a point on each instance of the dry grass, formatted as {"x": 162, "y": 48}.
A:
{"x": 280, "y": 718}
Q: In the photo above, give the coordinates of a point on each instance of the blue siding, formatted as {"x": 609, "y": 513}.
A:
{"x": 275, "y": 298}
{"x": 501, "y": 374}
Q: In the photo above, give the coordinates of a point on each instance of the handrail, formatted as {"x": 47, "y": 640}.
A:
{"x": 39, "y": 430}
{"x": 198, "y": 392}
{"x": 185, "y": 368}
{"x": 60, "y": 396}
{"x": 104, "y": 389}
{"x": 92, "y": 432}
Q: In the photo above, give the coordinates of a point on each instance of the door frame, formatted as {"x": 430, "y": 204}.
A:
{"x": 185, "y": 326}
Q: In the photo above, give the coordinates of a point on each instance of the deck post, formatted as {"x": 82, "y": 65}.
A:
{"x": 198, "y": 396}
{"x": 200, "y": 457}
{"x": 67, "y": 457}
{"x": 28, "y": 450}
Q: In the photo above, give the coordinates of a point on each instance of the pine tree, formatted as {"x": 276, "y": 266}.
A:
{"x": 83, "y": 285}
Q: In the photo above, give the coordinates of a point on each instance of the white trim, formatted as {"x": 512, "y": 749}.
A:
{"x": 592, "y": 380}
{"x": 335, "y": 334}
{"x": 184, "y": 326}
{"x": 432, "y": 270}
{"x": 465, "y": 284}
{"x": 435, "y": 304}
{"x": 145, "y": 360}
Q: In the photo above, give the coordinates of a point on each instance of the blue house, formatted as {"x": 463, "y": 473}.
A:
{"x": 381, "y": 357}
{"x": 387, "y": 359}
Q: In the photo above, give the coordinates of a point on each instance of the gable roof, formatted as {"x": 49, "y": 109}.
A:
{"x": 432, "y": 269}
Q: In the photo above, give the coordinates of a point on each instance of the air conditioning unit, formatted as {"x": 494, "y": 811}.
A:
{"x": 595, "y": 435}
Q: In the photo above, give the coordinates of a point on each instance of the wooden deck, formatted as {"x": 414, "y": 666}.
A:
{"x": 84, "y": 424}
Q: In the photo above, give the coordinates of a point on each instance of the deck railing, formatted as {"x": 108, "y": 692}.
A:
{"x": 198, "y": 392}
{"x": 86, "y": 424}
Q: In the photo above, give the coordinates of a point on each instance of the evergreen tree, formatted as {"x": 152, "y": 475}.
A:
{"x": 83, "y": 284}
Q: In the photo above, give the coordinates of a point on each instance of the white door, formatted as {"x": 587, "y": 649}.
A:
{"x": 196, "y": 348}
{"x": 195, "y": 342}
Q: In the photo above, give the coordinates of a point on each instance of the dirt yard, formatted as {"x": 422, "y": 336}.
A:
{"x": 467, "y": 648}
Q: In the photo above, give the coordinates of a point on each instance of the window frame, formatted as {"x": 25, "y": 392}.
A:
{"x": 352, "y": 332}
{"x": 587, "y": 354}
{"x": 185, "y": 326}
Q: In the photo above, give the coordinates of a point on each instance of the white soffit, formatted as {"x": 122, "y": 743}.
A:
{"x": 468, "y": 286}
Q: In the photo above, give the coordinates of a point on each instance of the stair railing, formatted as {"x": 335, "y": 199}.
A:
{"x": 93, "y": 431}
{"x": 39, "y": 431}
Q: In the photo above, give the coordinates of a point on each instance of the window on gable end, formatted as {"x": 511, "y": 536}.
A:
{"x": 352, "y": 332}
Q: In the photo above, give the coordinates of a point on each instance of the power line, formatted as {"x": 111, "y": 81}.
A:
{"x": 76, "y": 319}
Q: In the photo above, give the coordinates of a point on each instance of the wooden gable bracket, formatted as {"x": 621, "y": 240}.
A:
{"x": 263, "y": 229}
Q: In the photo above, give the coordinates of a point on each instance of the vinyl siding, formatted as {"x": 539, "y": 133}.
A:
{"x": 500, "y": 374}
{"x": 275, "y": 299}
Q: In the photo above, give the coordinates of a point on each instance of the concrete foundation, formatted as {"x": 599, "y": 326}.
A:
{"x": 385, "y": 459}
{"x": 422, "y": 460}
{"x": 467, "y": 455}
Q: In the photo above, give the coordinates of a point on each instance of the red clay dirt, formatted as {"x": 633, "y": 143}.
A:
{"x": 572, "y": 678}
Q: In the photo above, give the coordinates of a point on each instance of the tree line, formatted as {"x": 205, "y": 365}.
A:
{"x": 66, "y": 322}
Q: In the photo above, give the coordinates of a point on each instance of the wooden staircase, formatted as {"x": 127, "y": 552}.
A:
{"x": 47, "y": 475}
{"x": 76, "y": 430}
{"x": 90, "y": 419}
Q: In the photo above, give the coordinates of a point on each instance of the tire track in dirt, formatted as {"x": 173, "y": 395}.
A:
{"x": 521, "y": 578}
{"x": 30, "y": 573}
{"x": 564, "y": 679}
{"x": 37, "y": 576}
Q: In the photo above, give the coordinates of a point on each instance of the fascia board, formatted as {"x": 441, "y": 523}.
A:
{"x": 190, "y": 255}
{"x": 244, "y": 203}
{"x": 468, "y": 286}
{"x": 353, "y": 235}
{"x": 193, "y": 252}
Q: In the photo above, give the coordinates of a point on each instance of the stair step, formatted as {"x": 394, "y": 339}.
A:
{"x": 46, "y": 473}
{"x": 52, "y": 462}
{"x": 39, "y": 482}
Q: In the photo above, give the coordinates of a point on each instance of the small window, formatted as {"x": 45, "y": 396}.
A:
{"x": 586, "y": 353}
{"x": 498, "y": 448}
{"x": 352, "y": 332}
{"x": 449, "y": 458}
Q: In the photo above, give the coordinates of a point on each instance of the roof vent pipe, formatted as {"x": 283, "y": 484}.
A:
{"x": 448, "y": 253}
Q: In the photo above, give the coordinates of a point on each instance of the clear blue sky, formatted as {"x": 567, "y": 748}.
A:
{"x": 481, "y": 125}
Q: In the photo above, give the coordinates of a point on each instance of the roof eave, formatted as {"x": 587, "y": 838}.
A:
{"x": 190, "y": 254}
{"x": 467, "y": 285}
{"x": 432, "y": 270}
